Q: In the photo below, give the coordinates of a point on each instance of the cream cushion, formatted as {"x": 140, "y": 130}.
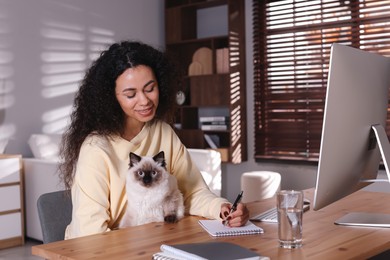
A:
{"x": 45, "y": 146}
{"x": 3, "y": 144}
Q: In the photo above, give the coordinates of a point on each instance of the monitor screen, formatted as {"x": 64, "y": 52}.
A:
{"x": 356, "y": 100}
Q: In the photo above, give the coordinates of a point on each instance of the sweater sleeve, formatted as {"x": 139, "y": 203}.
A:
{"x": 198, "y": 198}
{"x": 90, "y": 194}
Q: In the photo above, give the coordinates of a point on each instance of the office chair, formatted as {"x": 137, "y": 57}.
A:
{"x": 209, "y": 165}
{"x": 55, "y": 213}
{"x": 259, "y": 185}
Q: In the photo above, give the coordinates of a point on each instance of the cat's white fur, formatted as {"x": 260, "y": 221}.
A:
{"x": 153, "y": 203}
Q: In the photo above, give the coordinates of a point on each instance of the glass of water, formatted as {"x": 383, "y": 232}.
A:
{"x": 290, "y": 210}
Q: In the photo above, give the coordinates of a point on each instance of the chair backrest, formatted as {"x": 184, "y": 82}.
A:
{"x": 55, "y": 213}
{"x": 209, "y": 165}
{"x": 259, "y": 185}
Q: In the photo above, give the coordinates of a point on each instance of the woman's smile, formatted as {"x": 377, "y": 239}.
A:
{"x": 145, "y": 111}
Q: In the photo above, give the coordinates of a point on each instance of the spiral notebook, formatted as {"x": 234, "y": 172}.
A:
{"x": 217, "y": 229}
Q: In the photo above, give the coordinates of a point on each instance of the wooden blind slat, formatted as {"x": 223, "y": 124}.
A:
{"x": 291, "y": 45}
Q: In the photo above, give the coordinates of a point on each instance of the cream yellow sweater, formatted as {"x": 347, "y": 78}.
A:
{"x": 98, "y": 192}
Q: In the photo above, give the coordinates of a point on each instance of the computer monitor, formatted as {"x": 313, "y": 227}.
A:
{"x": 353, "y": 136}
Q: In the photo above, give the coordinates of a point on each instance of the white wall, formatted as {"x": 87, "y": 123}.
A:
{"x": 45, "y": 46}
{"x": 37, "y": 36}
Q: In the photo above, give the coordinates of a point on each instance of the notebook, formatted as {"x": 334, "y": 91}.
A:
{"x": 217, "y": 229}
{"x": 207, "y": 250}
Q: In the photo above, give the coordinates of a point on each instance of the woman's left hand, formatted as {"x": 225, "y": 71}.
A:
{"x": 238, "y": 217}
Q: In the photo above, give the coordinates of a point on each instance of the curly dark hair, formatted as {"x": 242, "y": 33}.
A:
{"x": 96, "y": 109}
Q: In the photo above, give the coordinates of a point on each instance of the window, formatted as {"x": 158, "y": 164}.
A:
{"x": 292, "y": 40}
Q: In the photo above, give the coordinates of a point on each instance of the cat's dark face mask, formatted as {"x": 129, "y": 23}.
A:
{"x": 148, "y": 177}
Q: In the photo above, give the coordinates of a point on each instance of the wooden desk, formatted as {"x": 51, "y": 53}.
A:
{"x": 321, "y": 238}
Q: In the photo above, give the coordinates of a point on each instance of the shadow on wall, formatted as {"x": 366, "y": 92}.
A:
{"x": 62, "y": 39}
{"x": 45, "y": 51}
{"x": 2, "y": 116}
{"x": 3, "y": 139}
{"x": 6, "y": 101}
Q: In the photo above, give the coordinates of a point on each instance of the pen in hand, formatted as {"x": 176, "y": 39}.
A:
{"x": 234, "y": 206}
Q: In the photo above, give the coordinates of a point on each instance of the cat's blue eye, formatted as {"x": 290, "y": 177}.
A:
{"x": 141, "y": 173}
{"x": 154, "y": 173}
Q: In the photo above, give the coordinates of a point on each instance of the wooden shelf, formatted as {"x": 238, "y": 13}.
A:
{"x": 199, "y": 4}
{"x": 208, "y": 88}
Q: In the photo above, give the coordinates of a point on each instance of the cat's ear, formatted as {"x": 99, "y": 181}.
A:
{"x": 133, "y": 159}
{"x": 159, "y": 158}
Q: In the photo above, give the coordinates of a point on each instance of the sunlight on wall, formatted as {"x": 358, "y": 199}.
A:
{"x": 99, "y": 40}
{"x": 56, "y": 120}
{"x": 7, "y": 99}
{"x": 63, "y": 63}
{"x": 68, "y": 49}
{"x": 7, "y": 85}
{"x": 7, "y": 131}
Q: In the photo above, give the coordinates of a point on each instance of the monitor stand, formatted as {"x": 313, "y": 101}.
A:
{"x": 372, "y": 219}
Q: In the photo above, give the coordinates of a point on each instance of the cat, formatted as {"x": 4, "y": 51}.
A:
{"x": 152, "y": 193}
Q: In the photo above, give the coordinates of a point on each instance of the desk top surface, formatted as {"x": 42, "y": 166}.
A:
{"x": 321, "y": 238}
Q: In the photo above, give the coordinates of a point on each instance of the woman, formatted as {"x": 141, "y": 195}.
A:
{"x": 122, "y": 106}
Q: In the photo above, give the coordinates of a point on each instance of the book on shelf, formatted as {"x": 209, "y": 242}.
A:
{"x": 214, "y": 123}
{"x": 212, "y": 141}
{"x": 203, "y": 119}
{"x": 222, "y": 63}
{"x": 206, "y": 250}
{"x": 213, "y": 127}
{"x": 216, "y": 229}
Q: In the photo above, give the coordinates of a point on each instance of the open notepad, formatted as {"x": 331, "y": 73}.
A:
{"x": 217, "y": 229}
{"x": 206, "y": 250}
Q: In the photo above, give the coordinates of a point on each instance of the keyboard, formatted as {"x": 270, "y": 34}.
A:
{"x": 271, "y": 215}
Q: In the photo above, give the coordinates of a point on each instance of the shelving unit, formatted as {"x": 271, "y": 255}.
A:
{"x": 210, "y": 94}
{"x": 12, "y": 201}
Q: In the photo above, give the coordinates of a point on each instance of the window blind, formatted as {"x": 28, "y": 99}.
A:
{"x": 291, "y": 46}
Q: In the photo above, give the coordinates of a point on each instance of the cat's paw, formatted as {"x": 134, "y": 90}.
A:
{"x": 170, "y": 218}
